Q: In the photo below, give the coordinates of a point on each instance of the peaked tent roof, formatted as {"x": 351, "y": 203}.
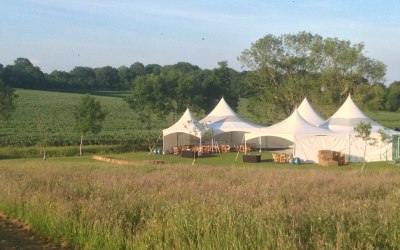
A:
{"x": 346, "y": 117}
{"x": 294, "y": 125}
{"x": 186, "y": 124}
{"x": 309, "y": 114}
{"x": 223, "y": 119}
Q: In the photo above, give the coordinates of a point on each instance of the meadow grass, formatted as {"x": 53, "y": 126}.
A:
{"x": 387, "y": 119}
{"x": 95, "y": 205}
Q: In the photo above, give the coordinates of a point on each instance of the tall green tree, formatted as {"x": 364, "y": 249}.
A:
{"x": 7, "y": 97}
{"x": 393, "y": 97}
{"x": 125, "y": 76}
{"x": 107, "y": 77}
{"x": 137, "y": 69}
{"x": 289, "y": 67}
{"x": 60, "y": 79}
{"x": 23, "y": 74}
{"x": 181, "y": 88}
{"x": 84, "y": 77}
{"x": 148, "y": 101}
{"x": 89, "y": 117}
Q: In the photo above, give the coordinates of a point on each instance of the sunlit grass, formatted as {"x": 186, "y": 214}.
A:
{"x": 211, "y": 205}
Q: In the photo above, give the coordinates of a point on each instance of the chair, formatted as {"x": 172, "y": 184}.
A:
{"x": 251, "y": 147}
{"x": 288, "y": 157}
{"x": 225, "y": 148}
{"x": 282, "y": 157}
{"x": 186, "y": 148}
{"x": 243, "y": 148}
{"x": 275, "y": 157}
{"x": 176, "y": 150}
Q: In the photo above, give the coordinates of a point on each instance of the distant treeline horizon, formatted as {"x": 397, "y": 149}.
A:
{"x": 218, "y": 82}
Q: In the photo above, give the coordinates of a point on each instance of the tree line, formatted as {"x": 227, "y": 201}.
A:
{"x": 279, "y": 72}
{"x": 180, "y": 85}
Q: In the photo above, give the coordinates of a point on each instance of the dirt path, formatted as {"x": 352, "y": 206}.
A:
{"x": 15, "y": 235}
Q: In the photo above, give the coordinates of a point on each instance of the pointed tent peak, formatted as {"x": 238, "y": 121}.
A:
{"x": 347, "y": 116}
{"x": 186, "y": 124}
{"x": 349, "y": 110}
{"x": 293, "y": 121}
{"x": 221, "y": 111}
{"x": 223, "y": 106}
{"x": 188, "y": 117}
{"x": 308, "y": 113}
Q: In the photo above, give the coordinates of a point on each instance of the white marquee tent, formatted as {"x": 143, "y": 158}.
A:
{"x": 226, "y": 125}
{"x": 286, "y": 132}
{"x": 343, "y": 122}
{"x": 183, "y": 132}
{"x": 309, "y": 114}
{"x": 346, "y": 117}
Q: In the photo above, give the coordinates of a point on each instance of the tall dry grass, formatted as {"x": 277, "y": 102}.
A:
{"x": 96, "y": 206}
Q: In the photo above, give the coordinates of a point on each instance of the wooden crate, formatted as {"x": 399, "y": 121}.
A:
{"x": 332, "y": 164}
{"x": 251, "y": 158}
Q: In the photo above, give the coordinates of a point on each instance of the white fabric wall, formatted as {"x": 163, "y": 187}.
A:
{"x": 236, "y": 138}
{"x": 307, "y": 148}
{"x": 178, "y": 139}
{"x": 230, "y": 138}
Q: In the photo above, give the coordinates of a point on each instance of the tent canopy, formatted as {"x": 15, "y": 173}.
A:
{"x": 343, "y": 122}
{"x": 223, "y": 119}
{"x": 309, "y": 114}
{"x": 186, "y": 130}
{"x": 293, "y": 126}
{"x": 187, "y": 124}
{"x": 346, "y": 117}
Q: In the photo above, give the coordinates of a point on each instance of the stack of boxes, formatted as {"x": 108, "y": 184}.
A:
{"x": 329, "y": 158}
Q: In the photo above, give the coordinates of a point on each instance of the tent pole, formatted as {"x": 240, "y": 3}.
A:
{"x": 294, "y": 146}
{"x": 163, "y": 144}
{"x": 245, "y": 146}
{"x": 237, "y": 154}
{"x": 349, "y": 149}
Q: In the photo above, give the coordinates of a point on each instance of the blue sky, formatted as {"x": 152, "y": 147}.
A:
{"x": 61, "y": 34}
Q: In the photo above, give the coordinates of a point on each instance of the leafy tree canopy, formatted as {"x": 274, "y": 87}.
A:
{"x": 24, "y": 75}
{"x": 393, "y": 97}
{"x": 89, "y": 115}
{"x": 289, "y": 67}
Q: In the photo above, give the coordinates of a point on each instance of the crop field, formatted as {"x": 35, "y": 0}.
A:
{"x": 44, "y": 115}
{"x": 214, "y": 204}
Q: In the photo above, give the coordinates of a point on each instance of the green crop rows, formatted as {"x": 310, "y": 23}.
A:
{"x": 43, "y": 115}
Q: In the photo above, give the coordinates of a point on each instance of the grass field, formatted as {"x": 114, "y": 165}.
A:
{"x": 49, "y": 115}
{"x": 215, "y": 204}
